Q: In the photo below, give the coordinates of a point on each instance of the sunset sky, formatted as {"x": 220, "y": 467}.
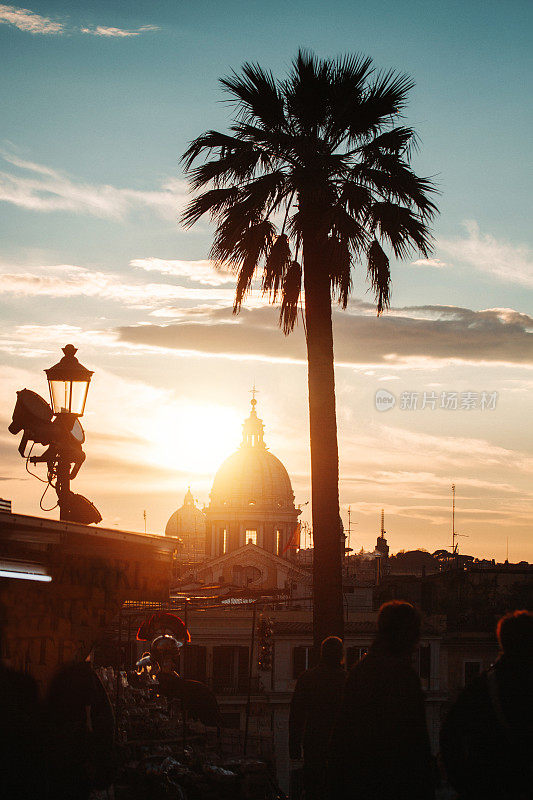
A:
{"x": 100, "y": 99}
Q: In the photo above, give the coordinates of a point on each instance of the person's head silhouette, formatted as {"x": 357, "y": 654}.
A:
{"x": 398, "y": 627}
{"x": 331, "y": 651}
{"x": 515, "y": 634}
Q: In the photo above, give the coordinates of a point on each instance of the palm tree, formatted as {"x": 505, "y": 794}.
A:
{"x": 313, "y": 177}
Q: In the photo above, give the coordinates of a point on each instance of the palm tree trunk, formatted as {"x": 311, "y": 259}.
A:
{"x": 328, "y": 616}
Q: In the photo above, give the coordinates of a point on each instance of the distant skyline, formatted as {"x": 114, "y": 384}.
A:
{"x": 100, "y": 100}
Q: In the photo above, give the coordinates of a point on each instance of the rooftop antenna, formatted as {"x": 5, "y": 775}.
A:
{"x": 350, "y": 523}
{"x": 382, "y": 523}
{"x": 455, "y": 534}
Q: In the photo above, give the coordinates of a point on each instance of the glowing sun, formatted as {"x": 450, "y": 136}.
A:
{"x": 193, "y": 438}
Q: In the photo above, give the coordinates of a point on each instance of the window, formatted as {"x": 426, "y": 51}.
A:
{"x": 194, "y": 664}
{"x": 250, "y": 537}
{"x": 471, "y": 671}
{"x": 278, "y": 542}
{"x": 230, "y": 668}
{"x": 300, "y": 660}
{"x": 224, "y": 541}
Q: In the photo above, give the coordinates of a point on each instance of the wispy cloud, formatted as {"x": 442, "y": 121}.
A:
{"x": 117, "y": 33}
{"x": 199, "y": 271}
{"x": 429, "y": 262}
{"x": 427, "y": 336}
{"x": 40, "y": 188}
{"x": 69, "y": 280}
{"x": 457, "y": 335}
{"x": 29, "y": 21}
{"x": 482, "y": 251}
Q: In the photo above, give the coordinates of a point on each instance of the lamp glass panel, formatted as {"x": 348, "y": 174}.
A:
{"x": 79, "y": 396}
{"x": 68, "y": 396}
{"x": 60, "y": 396}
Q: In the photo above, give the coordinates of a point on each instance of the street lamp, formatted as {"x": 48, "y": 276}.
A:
{"x": 59, "y": 429}
{"x": 68, "y": 381}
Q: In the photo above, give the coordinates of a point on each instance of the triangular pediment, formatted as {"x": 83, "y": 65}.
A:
{"x": 252, "y": 554}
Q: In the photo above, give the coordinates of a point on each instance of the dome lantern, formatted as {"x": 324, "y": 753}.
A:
{"x": 253, "y": 428}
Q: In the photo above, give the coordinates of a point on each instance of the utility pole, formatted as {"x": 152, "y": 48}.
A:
{"x": 349, "y": 524}
{"x": 144, "y": 517}
{"x": 454, "y": 546}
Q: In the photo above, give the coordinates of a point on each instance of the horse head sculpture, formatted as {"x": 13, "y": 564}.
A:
{"x": 63, "y": 437}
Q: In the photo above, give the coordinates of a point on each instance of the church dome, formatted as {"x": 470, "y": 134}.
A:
{"x": 188, "y": 521}
{"x": 252, "y": 477}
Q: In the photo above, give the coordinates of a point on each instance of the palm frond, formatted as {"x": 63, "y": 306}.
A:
{"x": 238, "y": 165}
{"x": 307, "y": 91}
{"x": 274, "y": 144}
{"x": 392, "y": 179}
{"x": 291, "y": 288}
{"x": 403, "y": 229}
{"x": 253, "y": 243}
{"x": 257, "y": 94}
{"x": 397, "y": 140}
{"x": 355, "y": 198}
{"x": 384, "y": 99}
{"x": 244, "y": 283}
{"x": 277, "y": 263}
{"x": 254, "y": 201}
{"x": 265, "y": 189}
{"x": 348, "y": 77}
{"x": 349, "y": 229}
{"x": 211, "y": 202}
{"x": 351, "y": 71}
{"x": 211, "y": 140}
{"x": 245, "y": 257}
{"x": 379, "y": 275}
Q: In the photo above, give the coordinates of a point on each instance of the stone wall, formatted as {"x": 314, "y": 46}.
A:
{"x": 93, "y": 572}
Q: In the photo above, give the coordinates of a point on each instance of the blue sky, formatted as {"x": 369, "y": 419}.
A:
{"x": 98, "y": 102}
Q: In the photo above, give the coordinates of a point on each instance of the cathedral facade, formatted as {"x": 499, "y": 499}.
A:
{"x": 250, "y": 530}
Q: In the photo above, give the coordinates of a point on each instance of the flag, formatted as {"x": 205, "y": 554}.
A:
{"x": 294, "y": 540}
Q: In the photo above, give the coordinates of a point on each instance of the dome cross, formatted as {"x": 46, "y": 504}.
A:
{"x": 253, "y": 392}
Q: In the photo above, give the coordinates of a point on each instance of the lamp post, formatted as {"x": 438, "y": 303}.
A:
{"x": 68, "y": 381}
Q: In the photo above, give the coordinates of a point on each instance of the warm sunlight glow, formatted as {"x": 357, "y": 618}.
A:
{"x": 193, "y": 438}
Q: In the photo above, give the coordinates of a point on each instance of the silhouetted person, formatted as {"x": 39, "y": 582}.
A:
{"x": 487, "y": 738}
{"x": 314, "y": 706}
{"x": 21, "y": 740}
{"x": 380, "y": 747}
{"x": 81, "y": 733}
